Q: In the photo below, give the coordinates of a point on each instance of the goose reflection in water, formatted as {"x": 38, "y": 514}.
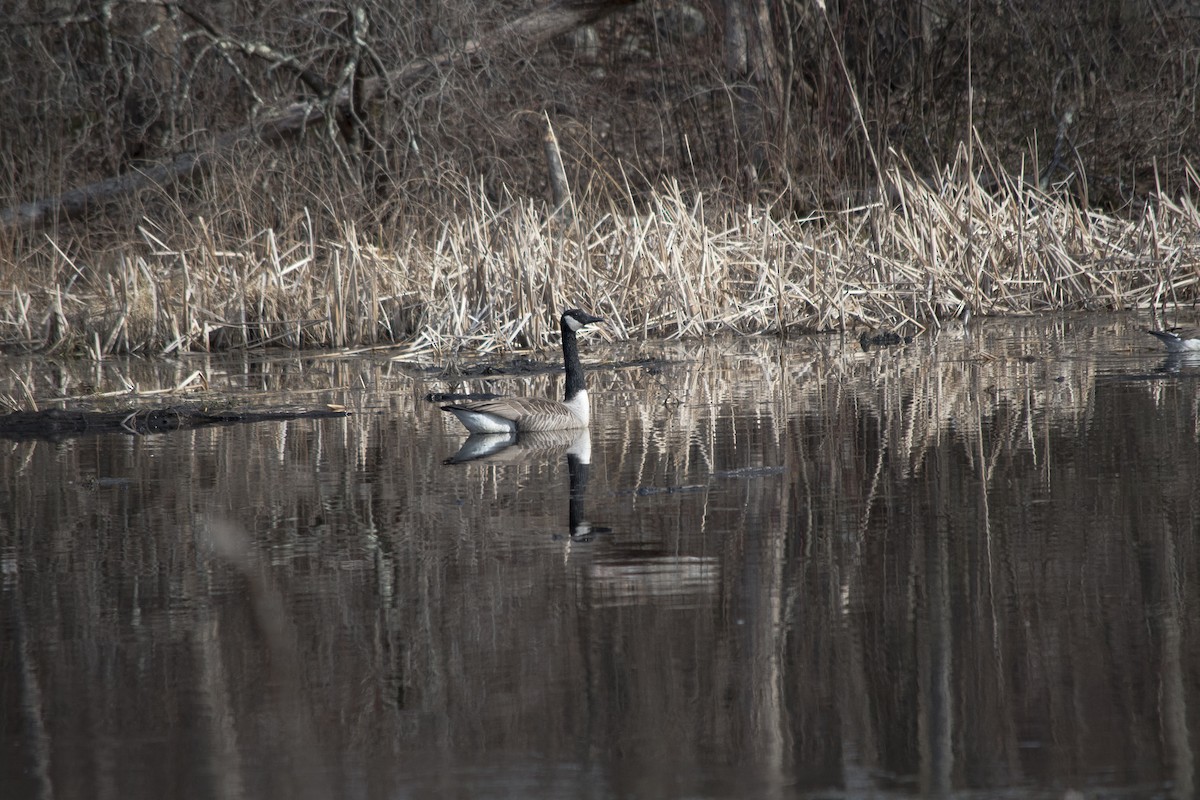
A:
{"x": 1179, "y": 340}
{"x": 516, "y": 448}
{"x": 615, "y": 573}
{"x": 1181, "y": 362}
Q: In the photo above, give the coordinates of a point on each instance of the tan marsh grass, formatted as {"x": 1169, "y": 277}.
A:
{"x": 490, "y": 277}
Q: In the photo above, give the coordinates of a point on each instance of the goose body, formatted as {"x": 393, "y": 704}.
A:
{"x": 516, "y": 414}
{"x": 1179, "y": 340}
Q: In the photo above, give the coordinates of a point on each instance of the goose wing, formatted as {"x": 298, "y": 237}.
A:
{"x": 527, "y": 413}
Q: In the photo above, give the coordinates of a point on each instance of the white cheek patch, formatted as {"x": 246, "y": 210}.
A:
{"x": 573, "y": 323}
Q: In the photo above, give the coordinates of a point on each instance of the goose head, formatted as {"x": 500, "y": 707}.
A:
{"x": 576, "y": 319}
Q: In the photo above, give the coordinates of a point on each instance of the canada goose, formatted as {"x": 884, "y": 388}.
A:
{"x": 1179, "y": 340}
{"x": 508, "y": 414}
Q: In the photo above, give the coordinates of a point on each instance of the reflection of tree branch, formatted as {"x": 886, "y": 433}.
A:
{"x": 270, "y": 612}
{"x": 33, "y": 706}
{"x": 530, "y": 30}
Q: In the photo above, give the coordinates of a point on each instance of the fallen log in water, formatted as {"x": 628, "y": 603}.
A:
{"x": 67, "y": 423}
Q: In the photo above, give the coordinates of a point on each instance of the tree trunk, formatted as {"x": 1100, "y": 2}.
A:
{"x": 753, "y": 69}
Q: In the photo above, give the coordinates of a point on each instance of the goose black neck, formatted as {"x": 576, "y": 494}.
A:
{"x": 577, "y": 469}
{"x": 571, "y": 361}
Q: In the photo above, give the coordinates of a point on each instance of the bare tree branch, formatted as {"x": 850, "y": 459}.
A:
{"x": 530, "y": 30}
{"x": 259, "y": 50}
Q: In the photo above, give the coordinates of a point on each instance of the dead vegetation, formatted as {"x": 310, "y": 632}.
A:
{"x": 484, "y": 278}
{"x": 934, "y": 160}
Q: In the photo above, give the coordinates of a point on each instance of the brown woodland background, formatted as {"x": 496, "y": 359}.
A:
{"x": 748, "y": 97}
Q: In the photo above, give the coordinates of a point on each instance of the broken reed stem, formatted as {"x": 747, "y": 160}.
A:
{"x": 495, "y": 275}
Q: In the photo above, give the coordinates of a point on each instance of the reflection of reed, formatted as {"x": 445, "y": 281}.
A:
{"x": 939, "y": 540}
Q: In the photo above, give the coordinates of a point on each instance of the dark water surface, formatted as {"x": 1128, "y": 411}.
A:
{"x": 967, "y": 567}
